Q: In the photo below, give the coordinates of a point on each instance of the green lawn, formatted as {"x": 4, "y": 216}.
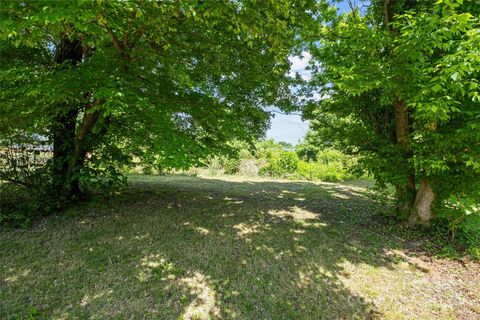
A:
{"x": 177, "y": 247}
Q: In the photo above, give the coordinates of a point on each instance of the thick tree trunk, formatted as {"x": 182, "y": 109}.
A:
{"x": 73, "y": 175}
{"x": 421, "y": 212}
{"x": 64, "y": 125}
{"x": 417, "y": 204}
{"x": 63, "y": 131}
{"x": 406, "y": 191}
{"x": 79, "y": 152}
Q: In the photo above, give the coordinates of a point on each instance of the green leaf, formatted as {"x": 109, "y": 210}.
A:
{"x": 437, "y": 87}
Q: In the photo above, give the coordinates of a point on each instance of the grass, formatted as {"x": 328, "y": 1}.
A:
{"x": 176, "y": 247}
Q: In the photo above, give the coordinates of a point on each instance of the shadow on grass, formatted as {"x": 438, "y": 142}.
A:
{"x": 198, "y": 248}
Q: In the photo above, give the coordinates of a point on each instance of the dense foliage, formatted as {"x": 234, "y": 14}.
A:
{"x": 99, "y": 84}
{"x": 280, "y": 160}
{"x": 400, "y": 88}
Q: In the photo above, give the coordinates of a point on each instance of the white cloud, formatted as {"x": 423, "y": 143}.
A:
{"x": 299, "y": 63}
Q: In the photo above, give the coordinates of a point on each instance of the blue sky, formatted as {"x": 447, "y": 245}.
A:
{"x": 288, "y": 128}
{"x": 291, "y": 128}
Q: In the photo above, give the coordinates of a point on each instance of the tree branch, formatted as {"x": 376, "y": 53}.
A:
{"x": 287, "y": 113}
{"x": 25, "y": 184}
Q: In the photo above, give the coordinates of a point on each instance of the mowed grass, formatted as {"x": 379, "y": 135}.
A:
{"x": 176, "y": 247}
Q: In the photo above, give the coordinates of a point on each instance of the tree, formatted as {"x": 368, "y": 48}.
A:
{"x": 166, "y": 82}
{"x": 400, "y": 87}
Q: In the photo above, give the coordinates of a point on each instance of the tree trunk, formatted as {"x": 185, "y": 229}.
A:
{"x": 79, "y": 152}
{"x": 421, "y": 212}
{"x": 417, "y": 204}
{"x": 406, "y": 191}
{"x": 64, "y": 129}
{"x": 63, "y": 132}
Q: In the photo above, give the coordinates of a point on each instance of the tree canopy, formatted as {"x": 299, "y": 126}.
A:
{"x": 163, "y": 82}
{"x": 400, "y": 88}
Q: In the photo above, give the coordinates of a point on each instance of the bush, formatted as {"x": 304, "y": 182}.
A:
{"x": 307, "y": 151}
{"x": 249, "y": 167}
{"x": 462, "y": 215}
{"x": 147, "y": 170}
{"x": 319, "y": 171}
{"x": 16, "y": 205}
{"x": 335, "y": 157}
{"x": 280, "y": 164}
{"x": 267, "y": 148}
{"x": 273, "y": 160}
{"x": 20, "y": 206}
{"x": 231, "y": 165}
{"x": 331, "y": 165}
{"x": 214, "y": 166}
{"x": 223, "y": 165}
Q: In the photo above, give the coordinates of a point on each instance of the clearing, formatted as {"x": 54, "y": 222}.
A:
{"x": 171, "y": 247}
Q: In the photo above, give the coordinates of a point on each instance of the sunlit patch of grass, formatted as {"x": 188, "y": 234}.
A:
{"x": 176, "y": 247}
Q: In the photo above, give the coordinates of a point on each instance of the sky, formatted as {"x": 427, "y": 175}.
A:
{"x": 291, "y": 128}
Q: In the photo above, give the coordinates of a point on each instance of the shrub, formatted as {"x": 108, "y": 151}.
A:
{"x": 320, "y": 171}
{"x": 20, "y": 205}
{"x": 214, "y": 166}
{"x": 267, "y": 148}
{"x": 307, "y": 151}
{"x": 16, "y": 205}
{"x": 335, "y": 157}
{"x": 147, "y": 170}
{"x": 273, "y": 160}
{"x": 231, "y": 165}
{"x": 223, "y": 165}
{"x": 280, "y": 163}
{"x": 462, "y": 215}
{"x": 249, "y": 167}
{"x": 330, "y": 165}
